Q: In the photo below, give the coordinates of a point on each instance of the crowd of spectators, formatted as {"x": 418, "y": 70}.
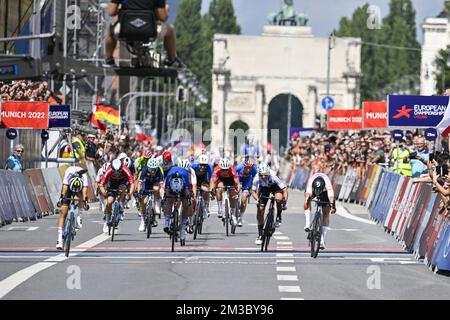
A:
{"x": 342, "y": 151}
{"x": 27, "y": 90}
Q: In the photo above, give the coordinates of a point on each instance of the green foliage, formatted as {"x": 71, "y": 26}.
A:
{"x": 442, "y": 77}
{"x": 194, "y": 40}
{"x": 382, "y": 67}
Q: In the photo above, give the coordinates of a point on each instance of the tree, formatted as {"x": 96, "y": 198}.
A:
{"x": 443, "y": 71}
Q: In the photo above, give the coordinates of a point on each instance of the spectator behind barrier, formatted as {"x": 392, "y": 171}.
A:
{"x": 14, "y": 162}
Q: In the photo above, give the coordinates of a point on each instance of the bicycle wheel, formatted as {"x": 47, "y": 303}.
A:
{"x": 196, "y": 218}
{"x": 114, "y": 218}
{"x": 173, "y": 228}
{"x": 227, "y": 216}
{"x": 267, "y": 229}
{"x": 149, "y": 218}
{"x": 316, "y": 234}
{"x": 68, "y": 235}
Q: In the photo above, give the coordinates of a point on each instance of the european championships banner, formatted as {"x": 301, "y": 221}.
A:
{"x": 416, "y": 111}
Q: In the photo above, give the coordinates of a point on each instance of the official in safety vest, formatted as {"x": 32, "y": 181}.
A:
{"x": 79, "y": 148}
{"x": 400, "y": 159}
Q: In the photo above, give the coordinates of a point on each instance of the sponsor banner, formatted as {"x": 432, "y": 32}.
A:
{"x": 419, "y": 210}
{"x": 441, "y": 258}
{"x": 344, "y": 119}
{"x": 375, "y": 186}
{"x": 440, "y": 223}
{"x": 424, "y": 222}
{"x": 427, "y": 232}
{"x": 24, "y": 114}
{"x": 375, "y": 115}
{"x": 416, "y": 111}
{"x": 53, "y": 183}
{"x": 400, "y": 196}
{"x": 59, "y": 117}
{"x": 38, "y": 190}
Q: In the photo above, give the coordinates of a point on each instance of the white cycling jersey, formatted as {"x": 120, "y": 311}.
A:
{"x": 273, "y": 180}
{"x": 328, "y": 185}
{"x": 100, "y": 175}
{"x": 71, "y": 171}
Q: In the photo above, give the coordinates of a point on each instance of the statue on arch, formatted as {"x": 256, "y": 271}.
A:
{"x": 288, "y": 16}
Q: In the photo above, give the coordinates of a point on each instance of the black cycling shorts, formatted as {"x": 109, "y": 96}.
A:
{"x": 266, "y": 192}
{"x": 66, "y": 200}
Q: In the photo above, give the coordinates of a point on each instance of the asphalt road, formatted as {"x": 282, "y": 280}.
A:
{"x": 360, "y": 262}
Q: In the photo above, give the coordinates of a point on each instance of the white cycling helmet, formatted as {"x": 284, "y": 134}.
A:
{"x": 106, "y": 166}
{"x": 203, "y": 159}
{"x": 263, "y": 169}
{"x": 75, "y": 184}
{"x": 152, "y": 163}
{"x": 186, "y": 164}
{"x": 176, "y": 185}
{"x": 117, "y": 165}
{"x": 127, "y": 161}
{"x": 224, "y": 164}
{"x": 121, "y": 156}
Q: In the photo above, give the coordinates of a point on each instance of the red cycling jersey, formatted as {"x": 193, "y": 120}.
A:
{"x": 229, "y": 174}
{"x": 117, "y": 176}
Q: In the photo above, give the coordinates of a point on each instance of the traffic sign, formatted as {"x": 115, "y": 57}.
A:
{"x": 431, "y": 134}
{"x": 397, "y": 135}
{"x": 328, "y": 103}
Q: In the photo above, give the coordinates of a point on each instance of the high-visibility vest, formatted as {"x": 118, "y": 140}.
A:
{"x": 399, "y": 166}
{"x": 83, "y": 148}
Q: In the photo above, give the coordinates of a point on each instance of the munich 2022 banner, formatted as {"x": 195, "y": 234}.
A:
{"x": 24, "y": 114}
{"x": 375, "y": 115}
{"x": 416, "y": 111}
{"x": 345, "y": 119}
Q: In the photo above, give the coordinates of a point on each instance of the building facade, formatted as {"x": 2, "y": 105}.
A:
{"x": 257, "y": 80}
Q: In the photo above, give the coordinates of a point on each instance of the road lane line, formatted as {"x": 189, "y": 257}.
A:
{"x": 16, "y": 279}
{"x": 285, "y": 255}
{"x": 285, "y": 277}
{"x": 285, "y": 261}
{"x": 343, "y": 212}
{"x": 289, "y": 289}
{"x": 286, "y": 269}
{"x": 281, "y": 238}
{"x": 287, "y": 243}
{"x": 292, "y": 299}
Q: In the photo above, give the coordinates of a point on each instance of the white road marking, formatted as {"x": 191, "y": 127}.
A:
{"x": 289, "y": 289}
{"x": 347, "y": 230}
{"x": 284, "y": 277}
{"x": 287, "y": 243}
{"x": 277, "y": 233}
{"x": 292, "y": 299}
{"x": 16, "y": 279}
{"x": 285, "y": 261}
{"x": 23, "y": 228}
{"x": 286, "y": 269}
{"x": 343, "y": 212}
{"x": 284, "y": 255}
{"x": 281, "y": 238}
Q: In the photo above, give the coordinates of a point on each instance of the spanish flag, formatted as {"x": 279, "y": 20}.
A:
{"x": 107, "y": 113}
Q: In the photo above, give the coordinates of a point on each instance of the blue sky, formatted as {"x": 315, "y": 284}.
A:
{"x": 324, "y": 15}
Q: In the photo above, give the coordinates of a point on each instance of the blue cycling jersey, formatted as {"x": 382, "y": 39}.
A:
{"x": 204, "y": 175}
{"x": 240, "y": 171}
{"x": 184, "y": 175}
{"x": 148, "y": 180}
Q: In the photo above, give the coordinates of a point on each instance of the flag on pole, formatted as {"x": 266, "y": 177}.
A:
{"x": 141, "y": 136}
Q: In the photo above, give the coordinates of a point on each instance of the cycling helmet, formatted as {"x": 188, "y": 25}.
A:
{"x": 117, "y": 165}
{"x": 263, "y": 169}
{"x": 185, "y": 164}
{"x": 127, "y": 161}
{"x": 153, "y": 163}
{"x": 167, "y": 156}
{"x": 176, "y": 184}
{"x": 75, "y": 184}
{"x": 318, "y": 186}
{"x": 106, "y": 166}
{"x": 224, "y": 164}
{"x": 147, "y": 154}
{"x": 248, "y": 163}
{"x": 121, "y": 156}
{"x": 203, "y": 159}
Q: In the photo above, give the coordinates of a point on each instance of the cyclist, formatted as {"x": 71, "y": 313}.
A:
{"x": 117, "y": 177}
{"x": 130, "y": 164}
{"x": 186, "y": 164}
{"x": 246, "y": 171}
{"x": 98, "y": 178}
{"x": 265, "y": 184}
{"x": 141, "y": 162}
{"x": 177, "y": 181}
{"x": 166, "y": 162}
{"x": 319, "y": 186}
{"x": 150, "y": 180}
{"x": 203, "y": 173}
{"x": 73, "y": 184}
{"x": 225, "y": 175}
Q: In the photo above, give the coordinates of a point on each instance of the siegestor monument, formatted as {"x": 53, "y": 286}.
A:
{"x": 260, "y": 83}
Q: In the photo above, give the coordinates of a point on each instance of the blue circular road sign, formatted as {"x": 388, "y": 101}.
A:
{"x": 11, "y": 133}
{"x": 397, "y": 135}
{"x": 328, "y": 103}
{"x": 431, "y": 134}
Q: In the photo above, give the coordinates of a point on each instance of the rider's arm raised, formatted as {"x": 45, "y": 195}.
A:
{"x": 113, "y": 9}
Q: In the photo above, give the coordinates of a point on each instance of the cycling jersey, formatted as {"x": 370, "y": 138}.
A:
{"x": 115, "y": 177}
{"x": 220, "y": 174}
{"x": 165, "y": 165}
{"x": 100, "y": 174}
{"x": 140, "y": 164}
{"x": 246, "y": 176}
{"x": 148, "y": 180}
{"x": 184, "y": 175}
{"x": 271, "y": 182}
{"x": 70, "y": 172}
{"x": 203, "y": 177}
{"x": 328, "y": 185}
